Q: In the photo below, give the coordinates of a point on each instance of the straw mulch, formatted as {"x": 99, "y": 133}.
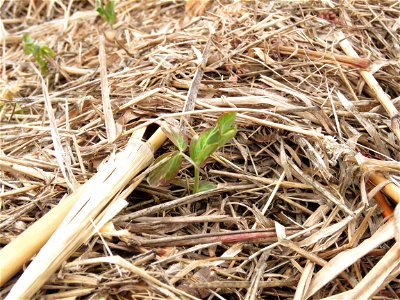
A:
{"x": 294, "y": 214}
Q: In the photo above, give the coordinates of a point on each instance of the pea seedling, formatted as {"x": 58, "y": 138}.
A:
{"x": 201, "y": 147}
{"x": 107, "y": 11}
{"x": 40, "y": 52}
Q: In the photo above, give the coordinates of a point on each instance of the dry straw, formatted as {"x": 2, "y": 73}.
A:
{"x": 293, "y": 215}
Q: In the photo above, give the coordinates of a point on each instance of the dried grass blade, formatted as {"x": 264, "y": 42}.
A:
{"x": 111, "y": 128}
{"x": 28, "y": 243}
{"x": 345, "y": 259}
{"x": 369, "y": 78}
{"x": 20, "y": 190}
{"x": 325, "y": 232}
{"x": 117, "y": 260}
{"x": 257, "y": 275}
{"x": 63, "y": 160}
{"x": 372, "y": 282}
{"x": 390, "y": 189}
{"x": 304, "y": 281}
{"x": 365, "y": 123}
{"x": 357, "y": 62}
{"x": 190, "y": 102}
{"x": 13, "y": 167}
{"x": 321, "y": 189}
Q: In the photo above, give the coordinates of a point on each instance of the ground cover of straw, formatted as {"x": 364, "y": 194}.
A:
{"x": 293, "y": 193}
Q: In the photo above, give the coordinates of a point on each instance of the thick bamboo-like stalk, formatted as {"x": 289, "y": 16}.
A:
{"x": 21, "y": 250}
{"x": 14, "y": 255}
{"x": 387, "y": 211}
{"x": 390, "y": 189}
{"x": 80, "y": 221}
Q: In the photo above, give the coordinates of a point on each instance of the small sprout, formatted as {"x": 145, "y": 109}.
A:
{"x": 107, "y": 11}
{"x": 201, "y": 147}
{"x": 41, "y": 53}
{"x": 204, "y": 145}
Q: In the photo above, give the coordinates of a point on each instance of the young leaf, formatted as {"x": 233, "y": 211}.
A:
{"x": 227, "y": 137}
{"x": 28, "y": 43}
{"x": 226, "y": 122}
{"x": 226, "y": 126}
{"x": 107, "y": 12}
{"x": 193, "y": 148}
{"x": 110, "y": 13}
{"x": 18, "y": 110}
{"x": 204, "y": 145}
{"x": 100, "y": 8}
{"x": 167, "y": 171}
{"x": 176, "y": 137}
{"x": 206, "y": 186}
{"x": 40, "y": 52}
{"x": 47, "y": 51}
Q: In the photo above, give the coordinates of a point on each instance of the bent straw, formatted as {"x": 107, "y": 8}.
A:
{"x": 349, "y": 60}
{"x": 387, "y": 211}
{"x": 20, "y": 251}
{"x": 369, "y": 78}
{"x": 390, "y": 189}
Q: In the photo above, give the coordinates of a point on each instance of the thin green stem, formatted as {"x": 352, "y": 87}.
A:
{"x": 196, "y": 179}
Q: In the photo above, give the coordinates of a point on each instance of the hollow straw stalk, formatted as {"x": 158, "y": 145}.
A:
{"x": 114, "y": 176}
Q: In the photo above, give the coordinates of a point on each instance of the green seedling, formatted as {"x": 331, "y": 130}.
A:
{"x": 201, "y": 147}
{"x": 107, "y": 11}
{"x": 41, "y": 53}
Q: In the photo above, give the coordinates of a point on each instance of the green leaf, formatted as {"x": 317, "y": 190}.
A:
{"x": 26, "y": 38}
{"x": 204, "y": 153}
{"x": 203, "y": 146}
{"x": 226, "y": 122}
{"x": 176, "y": 137}
{"x": 39, "y": 52}
{"x": 110, "y": 13}
{"x": 226, "y": 137}
{"x": 101, "y": 11}
{"x": 167, "y": 171}
{"x": 210, "y": 140}
{"x": 42, "y": 62}
{"x": 193, "y": 147}
{"x": 107, "y": 12}
{"x": 226, "y": 126}
{"x": 47, "y": 51}
{"x": 208, "y": 137}
{"x": 206, "y": 186}
{"x": 28, "y": 43}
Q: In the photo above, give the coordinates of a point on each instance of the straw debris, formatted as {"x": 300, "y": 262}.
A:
{"x": 305, "y": 200}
